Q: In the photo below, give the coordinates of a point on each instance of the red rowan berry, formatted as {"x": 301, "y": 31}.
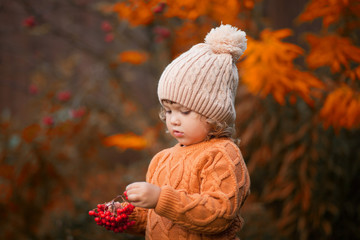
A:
{"x": 106, "y": 26}
{"x": 48, "y": 120}
{"x": 64, "y": 96}
{"x": 33, "y": 89}
{"x": 29, "y": 22}
{"x": 113, "y": 216}
{"x": 77, "y": 113}
{"x": 159, "y": 8}
{"x": 109, "y": 37}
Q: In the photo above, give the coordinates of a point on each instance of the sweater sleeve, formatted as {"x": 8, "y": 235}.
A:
{"x": 224, "y": 186}
{"x": 139, "y": 215}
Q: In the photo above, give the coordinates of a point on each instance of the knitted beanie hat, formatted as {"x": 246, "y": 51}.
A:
{"x": 205, "y": 78}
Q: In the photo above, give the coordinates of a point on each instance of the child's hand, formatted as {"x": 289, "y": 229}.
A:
{"x": 143, "y": 194}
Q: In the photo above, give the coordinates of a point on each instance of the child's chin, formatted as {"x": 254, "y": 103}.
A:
{"x": 183, "y": 143}
{"x": 186, "y": 143}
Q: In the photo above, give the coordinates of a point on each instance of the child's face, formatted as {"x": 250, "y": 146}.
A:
{"x": 186, "y": 126}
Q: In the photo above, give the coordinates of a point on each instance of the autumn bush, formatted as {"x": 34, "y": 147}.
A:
{"x": 89, "y": 123}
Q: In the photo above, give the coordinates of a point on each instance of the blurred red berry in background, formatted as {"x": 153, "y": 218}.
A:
{"x": 106, "y": 26}
{"x": 159, "y": 8}
{"x": 29, "y": 22}
{"x": 109, "y": 37}
{"x": 64, "y": 96}
{"x": 162, "y": 33}
{"x": 48, "y": 121}
{"x": 77, "y": 113}
{"x": 33, "y": 89}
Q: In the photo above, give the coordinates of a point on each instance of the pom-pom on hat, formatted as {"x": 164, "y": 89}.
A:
{"x": 205, "y": 78}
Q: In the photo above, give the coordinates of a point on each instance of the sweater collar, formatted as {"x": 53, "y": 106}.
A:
{"x": 196, "y": 146}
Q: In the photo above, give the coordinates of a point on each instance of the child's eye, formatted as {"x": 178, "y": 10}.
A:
{"x": 167, "y": 111}
{"x": 186, "y": 112}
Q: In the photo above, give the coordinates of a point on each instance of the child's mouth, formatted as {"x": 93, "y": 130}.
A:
{"x": 177, "y": 133}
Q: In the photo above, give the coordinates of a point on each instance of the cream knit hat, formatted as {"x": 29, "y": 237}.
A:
{"x": 205, "y": 78}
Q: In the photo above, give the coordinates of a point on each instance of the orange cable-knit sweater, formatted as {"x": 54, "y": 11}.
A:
{"x": 203, "y": 187}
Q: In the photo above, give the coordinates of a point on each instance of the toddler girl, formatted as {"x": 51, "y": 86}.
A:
{"x": 195, "y": 189}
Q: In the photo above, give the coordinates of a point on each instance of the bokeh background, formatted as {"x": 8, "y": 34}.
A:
{"x": 79, "y": 110}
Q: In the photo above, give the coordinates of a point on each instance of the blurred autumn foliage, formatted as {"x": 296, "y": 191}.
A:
{"x": 79, "y": 111}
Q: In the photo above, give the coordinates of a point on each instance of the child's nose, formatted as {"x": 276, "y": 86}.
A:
{"x": 174, "y": 119}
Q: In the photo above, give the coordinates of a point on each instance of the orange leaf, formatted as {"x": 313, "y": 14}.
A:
{"x": 330, "y": 11}
{"x": 226, "y": 11}
{"x": 341, "y": 108}
{"x": 7, "y": 171}
{"x": 268, "y": 68}
{"x": 136, "y": 12}
{"x": 31, "y": 132}
{"x": 133, "y": 57}
{"x": 187, "y": 9}
{"x": 125, "y": 141}
{"x": 187, "y": 35}
{"x": 333, "y": 51}
{"x": 354, "y": 73}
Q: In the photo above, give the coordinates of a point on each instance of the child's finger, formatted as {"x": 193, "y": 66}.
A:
{"x": 132, "y": 195}
{"x": 133, "y": 185}
{"x": 132, "y": 198}
{"x": 128, "y": 187}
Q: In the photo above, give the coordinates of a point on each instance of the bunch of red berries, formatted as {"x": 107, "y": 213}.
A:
{"x": 113, "y": 215}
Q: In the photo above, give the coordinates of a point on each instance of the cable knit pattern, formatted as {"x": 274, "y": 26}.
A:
{"x": 202, "y": 189}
